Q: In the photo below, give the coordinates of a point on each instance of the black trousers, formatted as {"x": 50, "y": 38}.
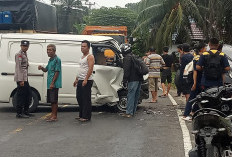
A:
{"x": 23, "y": 98}
{"x": 83, "y": 95}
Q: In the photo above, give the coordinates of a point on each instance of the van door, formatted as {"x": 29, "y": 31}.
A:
{"x": 108, "y": 74}
{"x": 9, "y": 47}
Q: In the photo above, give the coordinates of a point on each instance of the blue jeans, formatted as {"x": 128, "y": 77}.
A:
{"x": 133, "y": 97}
{"x": 188, "y": 106}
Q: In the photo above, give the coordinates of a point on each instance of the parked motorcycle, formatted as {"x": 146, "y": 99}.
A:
{"x": 212, "y": 123}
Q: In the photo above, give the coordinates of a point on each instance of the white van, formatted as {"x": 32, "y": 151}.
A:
{"x": 107, "y": 87}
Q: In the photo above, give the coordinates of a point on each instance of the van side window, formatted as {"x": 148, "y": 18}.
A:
{"x": 34, "y": 53}
{"x": 70, "y": 53}
{"x": 104, "y": 56}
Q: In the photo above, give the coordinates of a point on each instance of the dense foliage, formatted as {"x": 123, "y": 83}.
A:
{"x": 69, "y": 13}
{"x": 112, "y": 17}
{"x": 161, "y": 19}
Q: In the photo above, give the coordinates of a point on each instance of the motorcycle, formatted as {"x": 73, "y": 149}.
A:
{"x": 212, "y": 123}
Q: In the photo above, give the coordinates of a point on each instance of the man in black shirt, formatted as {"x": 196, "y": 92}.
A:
{"x": 166, "y": 71}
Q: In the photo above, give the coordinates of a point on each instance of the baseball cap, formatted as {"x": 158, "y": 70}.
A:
{"x": 25, "y": 43}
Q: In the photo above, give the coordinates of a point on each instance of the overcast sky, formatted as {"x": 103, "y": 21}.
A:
{"x": 106, "y": 3}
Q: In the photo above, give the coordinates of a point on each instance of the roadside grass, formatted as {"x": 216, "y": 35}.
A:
{"x": 173, "y": 80}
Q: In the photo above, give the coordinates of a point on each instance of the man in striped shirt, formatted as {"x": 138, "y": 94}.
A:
{"x": 155, "y": 62}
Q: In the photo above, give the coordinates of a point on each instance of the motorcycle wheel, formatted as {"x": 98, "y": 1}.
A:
{"x": 212, "y": 151}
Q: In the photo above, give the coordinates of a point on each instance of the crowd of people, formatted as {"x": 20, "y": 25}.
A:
{"x": 199, "y": 70}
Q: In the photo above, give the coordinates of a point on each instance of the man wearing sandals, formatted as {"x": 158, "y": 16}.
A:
{"x": 166, "y": 74}
{"x": 155, "y": 62}
{"x": 54, "y": 80}
{"x": 84, "y": 82}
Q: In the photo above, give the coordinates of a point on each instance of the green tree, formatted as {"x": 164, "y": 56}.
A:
{"x": 218, "y": 18}
{"x": 112, "y": 17}
{"x": 69, "y": 12}
{"x": 163, "y": 18}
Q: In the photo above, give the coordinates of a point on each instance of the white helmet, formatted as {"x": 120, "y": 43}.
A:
{"x": 125, "y": 48}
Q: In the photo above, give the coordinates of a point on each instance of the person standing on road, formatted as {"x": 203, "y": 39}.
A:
{"x": 166, "y": 71}
{"x": 213, "y": 64}
{"x": 177, "y": 83}
{"x": 21, "y": 78}
{"x": 132, "y": 80}
{"x": 155, "y": 62}
{"x": 185, "y": 59}
{"x": 84, "y": 82}
{"x": 54, "y": 80}
{"x": 196, "y": 88}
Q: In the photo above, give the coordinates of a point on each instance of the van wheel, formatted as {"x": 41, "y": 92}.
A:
{"x": 121, "y": 105}
{"x": 34, "y": 101}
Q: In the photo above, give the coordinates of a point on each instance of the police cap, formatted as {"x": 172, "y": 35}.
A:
{"x": 25, "y": 43}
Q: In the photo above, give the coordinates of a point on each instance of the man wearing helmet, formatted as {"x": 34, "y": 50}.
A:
{"x": 132, "y": 79}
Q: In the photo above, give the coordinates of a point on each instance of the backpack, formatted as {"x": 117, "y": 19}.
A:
{"x": 139, "y": 65}
{"x": 188, "y": 72}
{"x": 212, "y": 68}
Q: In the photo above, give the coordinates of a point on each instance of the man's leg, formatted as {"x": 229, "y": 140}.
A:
{"x": 152, "y": 88}
{"x": 54, "y": 110}
{"x": 163, "y": 88}
{"x": 169, "y": 80}
{"x": 132, "y": 87}
{"x": 168, "y": 88}
{"x": 28, "y": 98}
{"x": 54, "y": 102}
{"x": 79, "y": 97}
{"x": 154, "y": 96}
{"x": 187, "y": 97}
{"x": 86, "y": 100}
{"x": 188, "y": 106}
{"x": 163, "y": 80}
{"x": 20, "y": 97}
{"x": 137, "y": 96}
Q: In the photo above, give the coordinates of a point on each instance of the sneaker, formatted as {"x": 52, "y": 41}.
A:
{"x": 21, "y": 116}
{"x": 188, "y": 118}
{"x": 127, "y": 115}
{"x": 29, "y": 114}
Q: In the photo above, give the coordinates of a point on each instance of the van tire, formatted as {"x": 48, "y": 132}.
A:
{"x": 121, "y": 105}
{"x": 34, "y": 101}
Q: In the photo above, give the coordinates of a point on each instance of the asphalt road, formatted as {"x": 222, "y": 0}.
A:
{"x": 153, "y": 132}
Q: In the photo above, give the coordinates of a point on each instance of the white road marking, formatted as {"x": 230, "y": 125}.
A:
{"x": 185, "y": 131}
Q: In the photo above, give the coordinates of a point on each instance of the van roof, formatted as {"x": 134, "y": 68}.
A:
{"x": 60, "y": 37}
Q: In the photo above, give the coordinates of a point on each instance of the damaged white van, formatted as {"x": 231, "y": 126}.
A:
{"x": 108, "y": 73}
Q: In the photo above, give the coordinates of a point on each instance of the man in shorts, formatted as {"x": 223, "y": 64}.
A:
{"x": 54, "y": 80}
{"x": 155, "y": 62}
{"x": 166, "y": 74}
{"x": 185, "y": 59}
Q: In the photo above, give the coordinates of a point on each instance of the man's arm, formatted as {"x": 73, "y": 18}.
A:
{"x": 226, "y": 63}
{"x": 54, "y": 80}
{"x": 227, "y": 68}
{"x": 200, "y": 63}
{"x": 42, "y": 68}
{"x": 199, "y": 68}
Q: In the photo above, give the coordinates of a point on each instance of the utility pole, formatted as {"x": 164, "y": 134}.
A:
{"x": 89, "y": 4}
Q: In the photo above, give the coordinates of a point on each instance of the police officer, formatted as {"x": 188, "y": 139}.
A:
{"x": 21, "y": 78}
